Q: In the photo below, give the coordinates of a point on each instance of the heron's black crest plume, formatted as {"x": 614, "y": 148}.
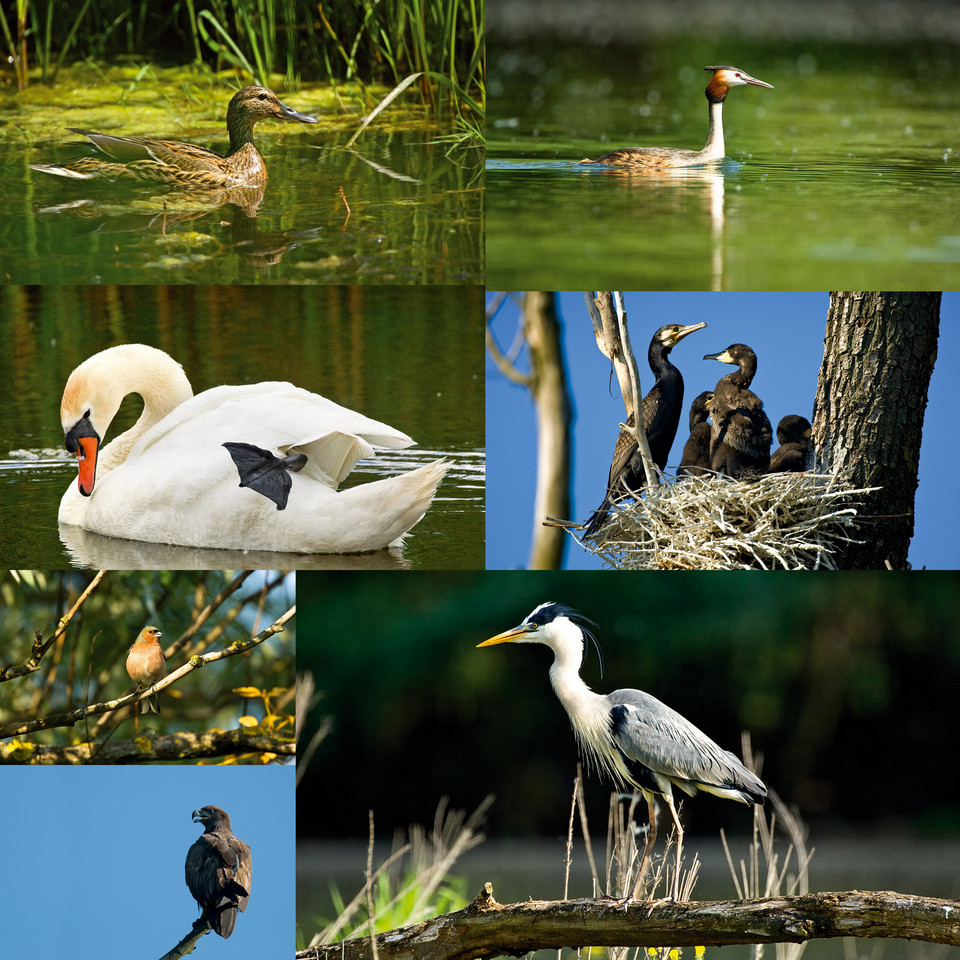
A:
{"x": 549, "y": 611}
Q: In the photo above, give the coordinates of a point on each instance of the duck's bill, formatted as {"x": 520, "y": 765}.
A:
{"x": 288, "y": 113}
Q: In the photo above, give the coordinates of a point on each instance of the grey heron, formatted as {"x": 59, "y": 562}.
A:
{"x": 629, "y": 735}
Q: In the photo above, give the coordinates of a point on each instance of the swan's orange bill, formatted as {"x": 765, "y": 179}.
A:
{"x": 87, "y": 463}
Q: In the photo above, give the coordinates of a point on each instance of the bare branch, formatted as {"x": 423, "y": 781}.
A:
{"x": 487, "y": 929}
{"x": 637, "y": 431}
{"x": 148, "y": 747}
{"x": 613, "y": 341}
{"x": 508, "y": 369}
{"x": 186, "y": 945}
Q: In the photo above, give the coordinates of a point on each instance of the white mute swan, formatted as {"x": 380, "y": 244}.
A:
{"x": 189, "y": 471}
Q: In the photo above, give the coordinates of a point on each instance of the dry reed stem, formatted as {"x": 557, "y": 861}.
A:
{"x": 788, "y": 521}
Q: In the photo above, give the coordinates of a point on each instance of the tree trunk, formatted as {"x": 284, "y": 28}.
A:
{"x": 551, "y": 397}
{"x": 487, "y": 929}
{"x": 878, "y": 355}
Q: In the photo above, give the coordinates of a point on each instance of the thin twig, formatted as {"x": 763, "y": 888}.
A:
{"x": 39, "y": 649}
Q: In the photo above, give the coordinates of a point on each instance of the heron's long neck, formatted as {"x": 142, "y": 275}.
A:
{"x": 714, "y": 149}
{"x": 572, "y": 692}
{"x": 588, "y": 712}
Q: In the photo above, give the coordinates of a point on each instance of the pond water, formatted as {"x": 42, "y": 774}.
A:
{"x": 403, "y": 205}
{"x": 845, "y": 176}
{"x": 411, "y": 357}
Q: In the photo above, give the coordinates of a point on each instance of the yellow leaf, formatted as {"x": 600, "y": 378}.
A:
{"x": 248, "y": 692}
{"x": 249, "y": 722}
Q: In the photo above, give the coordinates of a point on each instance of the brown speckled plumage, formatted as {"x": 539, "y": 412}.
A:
{"x": 185, "y": 164}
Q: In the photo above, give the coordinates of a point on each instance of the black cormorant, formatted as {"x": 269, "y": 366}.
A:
{"x": 793, "y": 432}
{"x": 740, "y": 439}
{"x": 661, "y": 416}
{"x": 696, "y": 451}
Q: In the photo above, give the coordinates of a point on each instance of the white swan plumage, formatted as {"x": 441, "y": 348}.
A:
{"x": 169, "y": 479}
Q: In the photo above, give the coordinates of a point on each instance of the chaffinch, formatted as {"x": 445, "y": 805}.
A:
{"x": 146, "y": 665}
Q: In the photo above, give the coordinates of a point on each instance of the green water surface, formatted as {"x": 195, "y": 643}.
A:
{"x": 845, "y": 176}
{"x": 402, "y": 206}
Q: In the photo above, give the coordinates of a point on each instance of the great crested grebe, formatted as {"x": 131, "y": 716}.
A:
{"x": 722, "y": 80}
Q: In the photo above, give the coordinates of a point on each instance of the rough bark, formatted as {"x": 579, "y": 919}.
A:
{"x": 487, "y": 929}
{"x": 552, "y": 400}
{"x": 879, "y": 352}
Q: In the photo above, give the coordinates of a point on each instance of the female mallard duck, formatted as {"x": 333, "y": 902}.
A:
{"x": 252, "y": 467}
{"x": 185, "y": 164}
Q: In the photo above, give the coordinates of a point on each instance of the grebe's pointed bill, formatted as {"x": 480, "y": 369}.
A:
{"x": 735, "y": 77}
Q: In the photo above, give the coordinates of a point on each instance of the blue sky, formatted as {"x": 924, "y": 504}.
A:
{"x": 94, "y": 859}
{"x": 785, "y": 329}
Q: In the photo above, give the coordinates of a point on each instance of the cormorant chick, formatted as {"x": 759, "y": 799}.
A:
{"x": 696, "y": 451}
{"x": 740, "y": 439}
{"x": 661, "y": 416}
{"x": 793, "y": 432}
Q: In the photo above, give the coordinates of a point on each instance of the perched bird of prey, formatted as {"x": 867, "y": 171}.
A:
{"x": 219, "y": 870}
{"x": 146, "y": 665}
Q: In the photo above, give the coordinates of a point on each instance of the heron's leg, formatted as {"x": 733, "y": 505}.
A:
{"x": 679, "y": 831}
{"x": 651, "y": 840}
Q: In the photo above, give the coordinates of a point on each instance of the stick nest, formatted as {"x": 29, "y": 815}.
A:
{"x": 781, "y": 521}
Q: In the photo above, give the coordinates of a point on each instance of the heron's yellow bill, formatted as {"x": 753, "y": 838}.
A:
{"x": 512, "y": 634}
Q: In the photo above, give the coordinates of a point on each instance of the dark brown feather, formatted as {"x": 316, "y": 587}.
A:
{"x": 793, "y": 434}
{"x": 219, "y": 871}
{"x": 741, "y": 435}
{"x": 696, "y": 451}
